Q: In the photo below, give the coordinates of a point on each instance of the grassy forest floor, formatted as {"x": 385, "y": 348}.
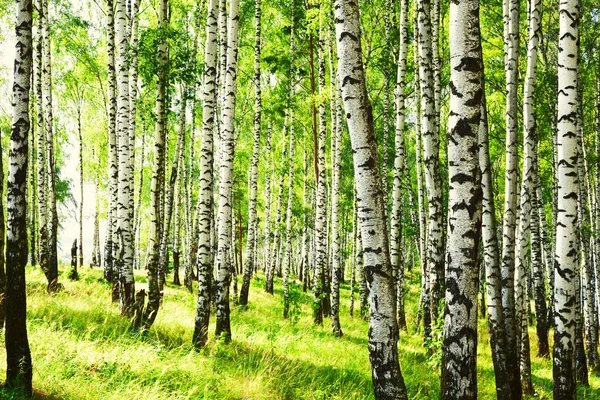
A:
{"x": 82, "y": 349}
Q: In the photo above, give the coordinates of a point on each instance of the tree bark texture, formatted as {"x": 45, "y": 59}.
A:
{"x": 383, "y": 330}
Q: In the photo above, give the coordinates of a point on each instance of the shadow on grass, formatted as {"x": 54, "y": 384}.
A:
{"x": 290, "y": 378}
{"x": 12, "y": 394}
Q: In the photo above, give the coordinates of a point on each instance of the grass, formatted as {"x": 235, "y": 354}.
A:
{"x": 82, "y": 349}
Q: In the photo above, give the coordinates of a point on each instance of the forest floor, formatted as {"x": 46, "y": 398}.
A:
{"x": 82, "y": 349}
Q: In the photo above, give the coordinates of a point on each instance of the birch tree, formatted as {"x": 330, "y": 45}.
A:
{"x": 52, "y": 222}
{"x": 383, "y": 333}
{"x": 566, "y": 257}
{"x": 223, "y": 327}
{"x": 18, "y": 357}
{"x": 113, "y": 172}
{"x": 396, "y": 218}
{"x": 209, "y": 97}
{"x": 459, "y": 351}
{"x": 158, "y": 170}
{"x": 126, "y": 279}
{"x": 337, "y": 265}
{"x": 491, "y": 257}
{"x": 511, "y": 59}
{"x": 41, "y": 145}
{"x": 431, "y": 145}
{"x": 250, "y": 242}
{"x": 321, "y": 212}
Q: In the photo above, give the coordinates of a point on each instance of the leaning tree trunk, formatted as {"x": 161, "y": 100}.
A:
{"x": 49, "y": 130}
{"x": 223, "y": 327}
{"x": 18, "y": 356}
{"x": 251, "y": 241}
{"x": 511, "y": 54}
{"x": 204, "y": 265}
{"x": 396, "y": 218}
{"x": 158, "y": 170}
{"x": 431, "y": 142}
{"x": 388, "y": 382}
{"x": 459, "y": 351}
{"x": 566, "y": 263}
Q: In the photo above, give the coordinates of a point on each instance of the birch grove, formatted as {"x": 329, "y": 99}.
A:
{"x": 406, "y": 188}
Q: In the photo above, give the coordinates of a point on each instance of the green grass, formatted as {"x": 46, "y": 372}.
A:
{"x": 82, "y": 349}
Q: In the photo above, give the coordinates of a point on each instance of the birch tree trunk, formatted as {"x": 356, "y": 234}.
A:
{"x": 399, "y": 161}
{"x": 287, "y": 260}
{"x": 431, "y": 142}
{"x": 566, "y": 264}
{"x": 112, "y": 150}
{"x": 584, "y": 261}
{"x": 511, "y": 10}
{"x": 18, "y": 357}
{"x": 126, "y": 279}
{"x": 205, "y": 196}
{"x": 96, "y": 257}
{"x": 3, "y": 265}
{"x": 320, "y": 292}
{"x": 31, "y": 191}
{"x": 423, "y": 222}
{"x": 459, "y": 351}
{"x": 268, "y": 174}
{"x": 388, "y": 382}
{"x": 337, "y": 266}
{"x": 223, "y": 327}
{"x": 133, "y": 90}
{"x": 170, "y": 192}
{"x": 305, "y": 239}
{"x": 158, "y": 170}
{"x": 79, "y": 132}
{"x": 537, "y": 266}
{"x": 41, "y": 145}
{"x": 251, "y": 240}
{"x": 526, "y": 203}
{"x": 491, "y": 255}
{"x": 49, "y": 130}
{"x": 270, "y": 266}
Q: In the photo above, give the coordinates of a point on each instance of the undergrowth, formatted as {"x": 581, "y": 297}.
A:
{"x": 83, "y": 349}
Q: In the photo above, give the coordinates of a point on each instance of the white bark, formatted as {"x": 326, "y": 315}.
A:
{"x": 567, "y": 246}
{"x": 204, "y": 212}
{"x": 223, "y": 328}
{"x": 383, "y": 331}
